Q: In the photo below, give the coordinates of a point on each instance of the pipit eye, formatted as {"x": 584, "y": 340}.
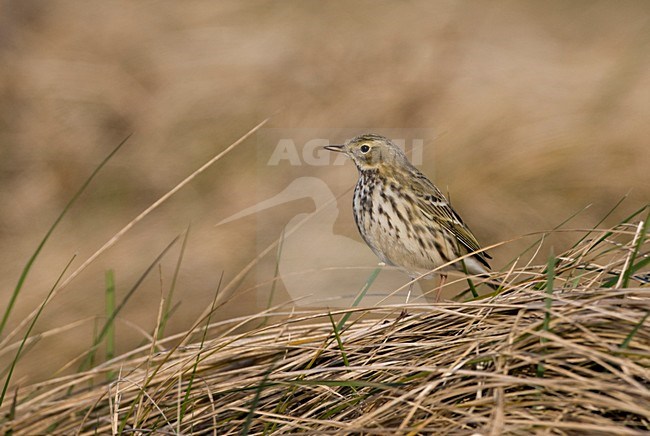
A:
{"x": 365, "y": 148}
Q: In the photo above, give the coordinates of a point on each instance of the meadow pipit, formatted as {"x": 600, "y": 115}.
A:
{"x": 403, "y": 217}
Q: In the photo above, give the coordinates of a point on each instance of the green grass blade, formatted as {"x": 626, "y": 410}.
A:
{"x": 167, "y": 311}
{"x": 188, "y": 391}
{"x": 110, "y": 309}
{"x": 550, "y": 278}
{"x": 338, "y": 340}
{"x": 538, "y": 240}
{"x": 276, "y": 272}
{"x": 634, "y": 268}
{"x": 472, "y": 288}
{"x": 256, "y": 400}
{"x": 32, "y": 259}
{"x": 337, "y": 328}
{"x": 362, "y": 293}
{"x": 625, "y": 220}
{"x": 639, "y": 266}
{"x": 12, "y": 412}
{"x": 111, "y": 319}
{"x": 602, "y": 220}
{"x": 276, "y": 275}
{"x": 628, "y": 339}
{"x": 29, "y": 330}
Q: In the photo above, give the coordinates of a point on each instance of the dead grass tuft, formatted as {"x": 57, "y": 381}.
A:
{"x": 498, "y": 364}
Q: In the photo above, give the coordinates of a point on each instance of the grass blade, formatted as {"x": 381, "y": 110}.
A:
{"x": 168, "y": 300}
{"x": 256, "y": 400}
{"x": 628, "y": 339}
{"x": 602, "y": 220}
{"x": 470, "y": 283}
{"x": 110, "y": 309}
{"x": 548, "y": 301}
{"x": 188, "y": 391}
{"x": 276, "y": 277}
{"x": 362, "y": 293}
{"x": 108, "y": 325}
{"x": 640, "y": 239}
{"x": 625, "y": 220}
{"x": 29, "y": 330}
{"x": 338, "y": 340}
{"x": 113, "y": 240}
{"x": 30, "y": 262}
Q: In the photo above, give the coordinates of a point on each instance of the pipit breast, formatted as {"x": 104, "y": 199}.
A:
{"x": 403, "y": 217}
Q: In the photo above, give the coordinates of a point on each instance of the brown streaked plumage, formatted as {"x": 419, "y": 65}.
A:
{"x": 402, "y": 216}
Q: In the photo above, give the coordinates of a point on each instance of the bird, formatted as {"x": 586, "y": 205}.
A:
{"x": 404, "y": 218}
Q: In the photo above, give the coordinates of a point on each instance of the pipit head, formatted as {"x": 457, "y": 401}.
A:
{"x": 371, "y": 152}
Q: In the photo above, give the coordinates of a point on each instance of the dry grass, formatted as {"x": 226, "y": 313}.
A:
{"x": 553, "y": 96}
{"x": 498, "y": 364}
{"x": 535, "y": 110}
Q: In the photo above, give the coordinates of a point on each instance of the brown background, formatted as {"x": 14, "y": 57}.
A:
{"x": 540, "y": 109}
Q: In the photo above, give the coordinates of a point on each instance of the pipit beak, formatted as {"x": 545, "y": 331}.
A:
{"x": 336, "y": 148}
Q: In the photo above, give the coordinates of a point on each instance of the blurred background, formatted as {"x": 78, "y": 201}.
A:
{"x": 532, "y": 111}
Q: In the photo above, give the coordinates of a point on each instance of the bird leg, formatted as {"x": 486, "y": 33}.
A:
{"x": 404, "y": 312}
{"x": 443, "y": 279}
{"x": 408, "y": 294}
